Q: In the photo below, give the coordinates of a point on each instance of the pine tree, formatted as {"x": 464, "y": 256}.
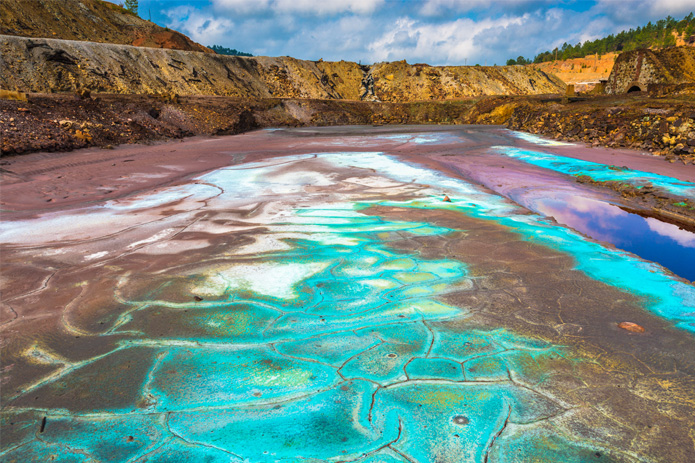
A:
{"x": 131, "y": 5}
{"x": 653, "y": 35}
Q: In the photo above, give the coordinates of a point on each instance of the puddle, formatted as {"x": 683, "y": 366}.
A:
{"x": 649, "y": 238}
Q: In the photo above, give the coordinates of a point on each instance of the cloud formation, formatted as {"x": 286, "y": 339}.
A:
{"x": 307, "y": 7}
{"x": 446, "y": 42}
{"x": 434, "y": 31}
{"x": 441, "y": 7}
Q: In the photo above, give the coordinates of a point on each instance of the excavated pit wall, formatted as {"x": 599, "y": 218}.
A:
{"x": 50, "y": 65}
{"x": 400, "y": 81}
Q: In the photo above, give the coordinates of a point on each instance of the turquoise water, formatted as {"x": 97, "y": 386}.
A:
{"x": 600, "y": 172}
{"x": 663, "y": 295}
{"x": 355, "y": 359}
{"x": 325, "y": 343}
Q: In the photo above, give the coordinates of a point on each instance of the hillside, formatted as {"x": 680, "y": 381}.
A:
{"x": 580, "y": 72}
{"x": 49, "y": 65}
{"x": 667, "y": 32}
{"x": 584, "y": 64}
{"x": 400, "y": 81}
{"x": 90, "y": 20}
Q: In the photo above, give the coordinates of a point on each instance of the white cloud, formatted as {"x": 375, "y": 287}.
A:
{"x": 627, "y": 11}
{"x": 201, "y": 27}
{"x": 439, "y": 7}
{"x": 432, "y": 31}
{"x": 242, "y": 6}
{"x": 312, "y": 7}
{"x": 450, "y": 42}
{"x": 680, "y": 236}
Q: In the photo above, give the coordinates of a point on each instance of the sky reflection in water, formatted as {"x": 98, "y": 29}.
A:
{"x": 649, "y": 238}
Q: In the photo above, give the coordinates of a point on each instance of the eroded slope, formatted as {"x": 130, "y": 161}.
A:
{"x": 47, "y": 66}
{"x": 93, "y": 20}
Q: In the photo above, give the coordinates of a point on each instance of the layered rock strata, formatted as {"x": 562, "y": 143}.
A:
{"x": 48, "y": 66}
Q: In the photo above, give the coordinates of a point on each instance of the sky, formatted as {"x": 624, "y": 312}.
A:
{"x": 437, "y": 32}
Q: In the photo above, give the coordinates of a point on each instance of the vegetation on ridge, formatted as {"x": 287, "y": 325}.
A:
{"x": 131, "y": 5}
{"x": 220, "y": 50}
{"x": 661, "y": 34}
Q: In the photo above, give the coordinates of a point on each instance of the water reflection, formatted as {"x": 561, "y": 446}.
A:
{"x": 649, "y": 238}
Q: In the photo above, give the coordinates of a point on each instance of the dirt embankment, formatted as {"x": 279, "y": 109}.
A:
{"x": 48, "y": 66}
{"x": 662, "y": 126}
{"x": 66, "y": 122}
{"x": 91, "y": 20}
{"x": 45, "y": 66}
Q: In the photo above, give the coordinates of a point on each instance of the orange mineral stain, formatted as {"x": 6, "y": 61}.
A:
{"x": 633, "y": 327}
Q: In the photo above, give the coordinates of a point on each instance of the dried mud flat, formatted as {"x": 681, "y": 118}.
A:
{"x": 309, "y": 294}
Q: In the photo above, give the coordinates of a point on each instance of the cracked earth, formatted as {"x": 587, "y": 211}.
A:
{"x": 308, "y": 295}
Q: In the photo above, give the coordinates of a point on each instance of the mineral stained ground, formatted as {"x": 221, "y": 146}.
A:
{"x": 338, "y": 294}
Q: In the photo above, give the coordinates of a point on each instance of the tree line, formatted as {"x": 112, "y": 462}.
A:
{"x": 653, "y": 35}
{"x": 220, "y": 50}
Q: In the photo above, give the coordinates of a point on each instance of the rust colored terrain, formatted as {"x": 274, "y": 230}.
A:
{"x": 87, "y": 20}
{"x": 659, "y": 126}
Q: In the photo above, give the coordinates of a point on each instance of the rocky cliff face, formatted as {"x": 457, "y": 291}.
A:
{"x": 636, "y": 70}
{"x": 400, "y": 81}
{"x": 581, "y": 72}
{"x": 93, "y": 20}
{"x": 48, "y": 65}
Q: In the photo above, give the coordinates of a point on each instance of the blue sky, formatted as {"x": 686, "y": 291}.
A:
{"x": 432, "y": 31}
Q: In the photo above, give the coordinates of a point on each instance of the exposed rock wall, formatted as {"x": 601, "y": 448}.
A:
{"x": 344, "y": 77}
{"x": 582, "y": 72}
{"x": 399, "y": 81}
{"x": 93, "y": 20}
{"x": 660, "y": 126}
{"x": 48, "y": 65}
{"x": 640, "y": 68}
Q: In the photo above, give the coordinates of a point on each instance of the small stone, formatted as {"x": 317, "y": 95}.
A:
{"x": 632, "y": 327}
{"x": 446, "y": 199}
